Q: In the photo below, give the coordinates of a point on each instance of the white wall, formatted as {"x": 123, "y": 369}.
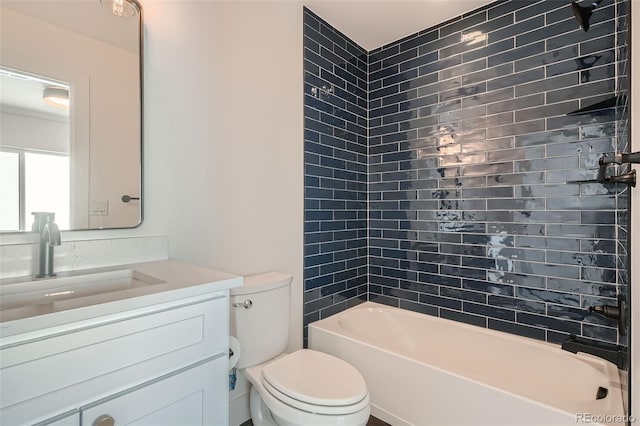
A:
{"x": 232, "y": 109}
{"x": 229, "y": 109}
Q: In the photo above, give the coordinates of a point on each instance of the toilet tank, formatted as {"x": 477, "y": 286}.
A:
{"x": 260, "y": 319}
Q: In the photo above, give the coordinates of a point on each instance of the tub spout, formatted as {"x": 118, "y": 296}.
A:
{"x": 613, "y": 353}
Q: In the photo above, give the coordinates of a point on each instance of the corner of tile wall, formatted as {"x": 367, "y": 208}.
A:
{"x": 335, "y": 162}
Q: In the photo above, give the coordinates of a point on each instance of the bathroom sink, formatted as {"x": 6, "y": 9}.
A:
{"x": 24, "y": 299}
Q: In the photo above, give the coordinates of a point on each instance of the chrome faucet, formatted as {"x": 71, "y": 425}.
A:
{"x": 49, "y": 237}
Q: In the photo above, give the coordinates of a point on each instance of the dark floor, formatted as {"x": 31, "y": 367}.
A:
{"x": 372, "y": 422}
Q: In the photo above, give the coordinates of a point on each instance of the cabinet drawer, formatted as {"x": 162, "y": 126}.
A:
{"x": 196, "y": 396}
{"x": 59, "y": 373}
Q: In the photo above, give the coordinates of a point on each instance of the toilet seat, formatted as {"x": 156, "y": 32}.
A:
{"x": 291, "y": 391}
{"x": 334, "y": 410}
{"x": 286, "y": 415}
{"x": 315, "y": 382}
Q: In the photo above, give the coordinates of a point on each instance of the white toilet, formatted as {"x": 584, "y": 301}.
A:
{"x": 304, "y": 388}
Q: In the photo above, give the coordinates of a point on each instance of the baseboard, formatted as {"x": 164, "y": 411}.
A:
{"x": 239, "y": 410}
{"x": 386, "y": 416}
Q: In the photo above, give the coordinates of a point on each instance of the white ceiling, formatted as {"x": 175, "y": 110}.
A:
{"x": 20, "y": 93}
{"x": 374, "y": 23}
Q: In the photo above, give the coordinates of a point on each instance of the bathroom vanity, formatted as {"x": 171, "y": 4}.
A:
{"x": 141, "y": 344}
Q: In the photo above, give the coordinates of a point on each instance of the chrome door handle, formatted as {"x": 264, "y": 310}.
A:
{"x": 247, "y": 304}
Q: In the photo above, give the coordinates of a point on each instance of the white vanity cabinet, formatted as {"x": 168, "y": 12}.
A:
{"x": 160, "y": 364}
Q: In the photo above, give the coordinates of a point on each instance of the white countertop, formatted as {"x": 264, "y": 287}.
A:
{"x": 170, "y": 281}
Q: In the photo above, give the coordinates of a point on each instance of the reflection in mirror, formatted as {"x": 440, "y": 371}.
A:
{"x": 70, "y": 108}
{"x": 34, "y": 171}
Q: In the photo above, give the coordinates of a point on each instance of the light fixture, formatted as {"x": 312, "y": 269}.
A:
{"x": 56, "y": 96}
{"x": 122, "y": 8}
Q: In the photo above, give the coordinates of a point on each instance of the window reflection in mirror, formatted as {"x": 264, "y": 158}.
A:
{"x": 34, "y": 152}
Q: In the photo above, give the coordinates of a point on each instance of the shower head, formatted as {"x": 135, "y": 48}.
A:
{"x": 583, "y": 13}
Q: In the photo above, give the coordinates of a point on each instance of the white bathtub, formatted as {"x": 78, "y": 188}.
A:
{"x": 423, "y": 370}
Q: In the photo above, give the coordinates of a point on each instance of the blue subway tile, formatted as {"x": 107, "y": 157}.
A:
{"x": 507, "y": 7}
{"x": 516, "y": 29}
{"x": 419, "y": 307}
{"x": 517, "y": 304}
{"x": 515, "y": 54}
{"x": 485, "y": 98}
{"x": 418, "y": 40}
{"x": 435, "y": 176}
{"x": 463, "y": 317}
{"x": 571, "y": 327}
{"x": 463, "y": 24}
{"x": 542, "y": 7}
{"x": 546, "y": 31}
{"x": 600, "y": 333}
{"x": 519, "y": 329}
{"x": 440, "y": 301}
{"x": 579, "y": 36}
{"x": 490, "y": 311}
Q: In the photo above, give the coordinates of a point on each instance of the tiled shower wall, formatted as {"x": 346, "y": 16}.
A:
{"x": 335, "y": 237}
{"x": 470, "y": 149}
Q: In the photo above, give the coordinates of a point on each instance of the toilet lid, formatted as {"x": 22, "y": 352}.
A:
{"x": 316, "y": 378}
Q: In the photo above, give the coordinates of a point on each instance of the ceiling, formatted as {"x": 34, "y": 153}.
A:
{"x": 21, "y": 93}
{"x": 374, "y": 23}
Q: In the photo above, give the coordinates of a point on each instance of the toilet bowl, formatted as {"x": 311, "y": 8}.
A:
{"x": 303, "y": 388}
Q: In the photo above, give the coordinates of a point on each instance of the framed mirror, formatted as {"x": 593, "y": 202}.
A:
{"x": 71, "y": 113}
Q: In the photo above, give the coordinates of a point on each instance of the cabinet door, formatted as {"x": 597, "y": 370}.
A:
{"x": 195, "y": 396}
